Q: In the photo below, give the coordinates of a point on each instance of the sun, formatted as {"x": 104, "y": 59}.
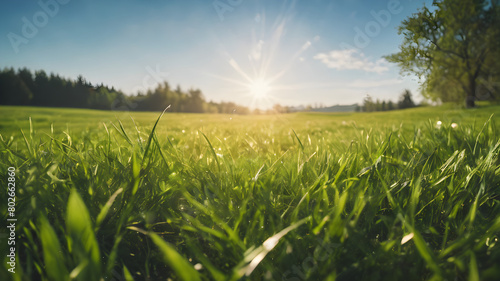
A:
{"x": 259, "y": 88}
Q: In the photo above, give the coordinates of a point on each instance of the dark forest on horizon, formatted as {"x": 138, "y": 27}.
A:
{"x": 23, "y": 87}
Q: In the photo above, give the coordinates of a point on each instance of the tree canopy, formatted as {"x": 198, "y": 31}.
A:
{"x": 405, "y": 101}
{"x": 453, "y": 48}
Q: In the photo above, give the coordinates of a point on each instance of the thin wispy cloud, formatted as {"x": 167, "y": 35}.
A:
{"x": 351, "y": 60}
{"x": 306, "y": 45}
{"x": 374, "y": 83}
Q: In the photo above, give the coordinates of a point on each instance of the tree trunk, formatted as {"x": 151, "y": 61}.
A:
{"x": 470, "y": 100}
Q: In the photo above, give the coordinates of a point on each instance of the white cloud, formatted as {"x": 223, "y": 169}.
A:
{"x": 352, "y": 60}
{"x": 306, "y": 45}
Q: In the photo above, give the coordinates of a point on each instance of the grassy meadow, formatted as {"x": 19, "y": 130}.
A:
{"x": 104, "y": 195}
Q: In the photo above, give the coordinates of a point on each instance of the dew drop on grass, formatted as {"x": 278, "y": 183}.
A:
{"x": 198, "y": 266}
{"x": 407, "y": 238}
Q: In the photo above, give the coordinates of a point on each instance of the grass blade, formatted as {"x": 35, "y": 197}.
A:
{"x": 105, "y": 209}
{"x": 150, "y": 139}
{"x": 183, "y": 269}
{"x": 253, "y": 259}
{"x": 83, "y": 243}
{"x": 211, "y": 149}
{"x": 297, "y": 137}
{"x": 52, "y": 253}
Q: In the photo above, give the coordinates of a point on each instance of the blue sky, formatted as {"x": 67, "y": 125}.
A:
{"x": 252, "y": 52}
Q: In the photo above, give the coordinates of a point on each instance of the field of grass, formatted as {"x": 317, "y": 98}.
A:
{"x": 354, "y": 196}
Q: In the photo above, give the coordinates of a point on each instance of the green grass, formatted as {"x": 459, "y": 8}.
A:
{"x": 115, "y": 195}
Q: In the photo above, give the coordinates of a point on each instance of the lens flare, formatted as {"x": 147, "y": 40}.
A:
{"x": 259, "y": 88}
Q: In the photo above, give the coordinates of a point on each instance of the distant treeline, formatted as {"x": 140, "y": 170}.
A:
{"x": 405, "y": 101}
{"x": 22, "y": 87}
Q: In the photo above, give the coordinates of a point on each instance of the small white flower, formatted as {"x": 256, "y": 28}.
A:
{"x": 454, "y": 125}
{"x": 438, "y": 124}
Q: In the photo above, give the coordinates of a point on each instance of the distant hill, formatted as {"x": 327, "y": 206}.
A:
{"x": 337, "y": 108}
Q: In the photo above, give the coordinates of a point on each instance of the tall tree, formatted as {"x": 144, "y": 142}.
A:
{"x": 195, "y": 101}
{"x": 368, "y": 104}
{"x": 13, "y": 90}
{"x": 450, "y": 47}
{"x": 27, "y": 77}
{"x": 405, "y": 100}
